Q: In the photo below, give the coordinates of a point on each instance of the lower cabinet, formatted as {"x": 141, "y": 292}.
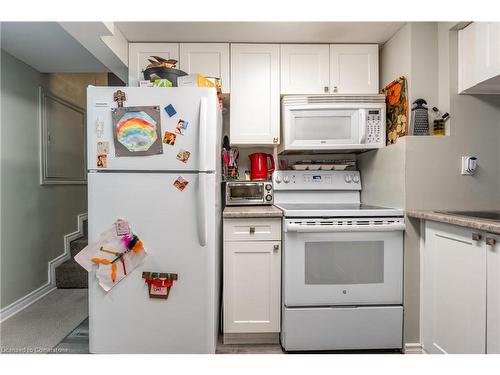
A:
{"x": 460, "y": 287}
{"x": 252, "y": 277}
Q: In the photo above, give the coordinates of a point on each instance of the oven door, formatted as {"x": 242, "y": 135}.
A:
{"x": 343, "y": 262}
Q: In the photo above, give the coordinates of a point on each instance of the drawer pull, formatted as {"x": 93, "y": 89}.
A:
{"x": 476, "y": 236}
{"x": 252, "y": 230}
{"x": 276, "y": 247}
{"x": 490, "y": 241}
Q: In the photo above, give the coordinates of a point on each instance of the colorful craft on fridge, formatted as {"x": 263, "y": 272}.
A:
{"x": 136, "y": 131}
{"x": 159, "y": 284}
{"x": 117, "y": 252}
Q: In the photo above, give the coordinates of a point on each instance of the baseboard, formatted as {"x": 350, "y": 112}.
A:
{"x": 251, "y": 338}
{"x": 19, "y": 305}
{"x": 23, "y": 302}
{"x": 413, "y": 348}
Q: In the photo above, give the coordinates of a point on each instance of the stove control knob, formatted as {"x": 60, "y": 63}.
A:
{"x": 286, "y": 179}
{"x": 347, "y": 178}
{"x": 278, "y": 179}
{"x": 355, "y": 178}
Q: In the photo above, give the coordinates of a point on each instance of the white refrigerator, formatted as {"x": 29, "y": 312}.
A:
{"x": 180, "y": 229}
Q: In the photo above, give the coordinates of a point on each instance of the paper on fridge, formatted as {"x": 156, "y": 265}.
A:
{"x": 116, "y": 253}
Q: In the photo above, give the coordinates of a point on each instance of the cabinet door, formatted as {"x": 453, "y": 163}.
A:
{"x": 354, "y": 68}
{"x": 479, "y": 57}
{"x": 252, "y": 279}
{"x": 454, "y": 290}
{"x": 255, "y": 94}
{"x": 305, "y": 69}
{"x": 493, "y": 294}
{"x": 138, "y": 54}
{"x": 208, "y": 59}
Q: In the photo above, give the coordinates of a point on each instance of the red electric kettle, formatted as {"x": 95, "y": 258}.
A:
{"x": 258, "y": 166}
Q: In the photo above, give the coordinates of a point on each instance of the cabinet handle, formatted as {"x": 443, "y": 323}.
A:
{"x": 326, "y": 89}
{"x": 335, "y": 88}
{"x": 476, "y": 237}
{"x": 276, "y": 247}
{"x": 490, "y": 241}
{"x": 275, "y": 140}
{"x": 252, "y": 230}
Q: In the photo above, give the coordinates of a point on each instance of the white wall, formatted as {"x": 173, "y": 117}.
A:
{"x": 34, "y": 218}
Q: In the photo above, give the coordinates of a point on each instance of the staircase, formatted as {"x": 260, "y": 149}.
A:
{"x": 70, "y": 275}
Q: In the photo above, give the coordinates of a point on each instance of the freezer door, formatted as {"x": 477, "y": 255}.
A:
{"x": 180, "y": 232}
{"x": 197, "y": 106}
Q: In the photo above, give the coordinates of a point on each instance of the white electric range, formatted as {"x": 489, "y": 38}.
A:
{"x": 342, "y": 264}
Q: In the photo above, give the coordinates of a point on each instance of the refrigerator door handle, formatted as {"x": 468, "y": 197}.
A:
{"x": 202, "y": 149}
{"x": 202, "y": 210}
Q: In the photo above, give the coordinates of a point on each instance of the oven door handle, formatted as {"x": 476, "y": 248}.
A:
{"x": 305, "y": 228}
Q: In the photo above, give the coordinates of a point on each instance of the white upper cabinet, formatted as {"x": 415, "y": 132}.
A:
{"x": 138, "y": 54}
{"x": 255, "y": 94}
{"x": 208, "y": 59}
{"x": 479, "y": 58}
{"x": 305, "y": 69}
{"x": 354, "y": 69}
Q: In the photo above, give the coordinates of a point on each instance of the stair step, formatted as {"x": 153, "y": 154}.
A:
{"x": 70, "y": 275}
{"x": 77, "y": 245}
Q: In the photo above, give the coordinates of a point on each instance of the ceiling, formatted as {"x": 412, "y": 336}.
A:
{"x": 260, "y": 32}
{"x": 48, "y": 48}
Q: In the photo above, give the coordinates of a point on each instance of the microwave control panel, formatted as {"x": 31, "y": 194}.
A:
{"x": 374, "y": 126}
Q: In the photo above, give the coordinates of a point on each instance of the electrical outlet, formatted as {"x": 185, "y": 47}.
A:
{"x": 469, "y": 165}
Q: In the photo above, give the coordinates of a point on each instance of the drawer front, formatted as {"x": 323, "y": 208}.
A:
{"x": 258, "y": 229}
{"x": 342, "y": 328}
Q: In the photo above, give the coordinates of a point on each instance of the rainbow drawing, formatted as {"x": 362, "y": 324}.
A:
{"x": 136, "y": 131}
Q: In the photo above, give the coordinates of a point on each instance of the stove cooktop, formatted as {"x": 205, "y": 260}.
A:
{"x": 336, "y": 210}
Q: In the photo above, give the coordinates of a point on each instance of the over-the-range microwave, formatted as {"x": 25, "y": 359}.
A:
{"x": 323, "y": 123}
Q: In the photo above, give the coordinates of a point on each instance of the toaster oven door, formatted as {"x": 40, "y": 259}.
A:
{"x": 244, "y": 193}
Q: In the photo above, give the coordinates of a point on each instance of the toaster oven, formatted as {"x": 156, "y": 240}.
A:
{"x": 242, "y": 193}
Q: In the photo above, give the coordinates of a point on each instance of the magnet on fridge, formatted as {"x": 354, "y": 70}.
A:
{"x": 122, "y": 227}
{"x": 170, "y": 110}
{"x": 159, "y": 284}
{"x": 169, "y": 138}
{"x": 183, "y": 155}
{"x": 181, "y": 127}
{"x": 180, "y": 183}
{"x": 99, "y": 127}
{"x": 119, "y": 97}
{"x": 102, "y": 161}
{"x": 102, "y": 147}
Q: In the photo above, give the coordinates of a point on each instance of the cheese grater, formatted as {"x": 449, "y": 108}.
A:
{"x": 420, "y": 117}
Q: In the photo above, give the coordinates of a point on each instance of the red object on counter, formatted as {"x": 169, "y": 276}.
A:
{"x": 258, "y": 166}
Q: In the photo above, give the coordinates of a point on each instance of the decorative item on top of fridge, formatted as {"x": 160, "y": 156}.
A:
{"x": 159, "y": 284}
{"x": 397, "y": 109}
{"x": 161, "y": 72}
{"x": 117, "y": 252}
{"x": 229, "y": 161}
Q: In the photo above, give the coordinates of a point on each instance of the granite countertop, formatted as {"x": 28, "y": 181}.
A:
{"x": 251, "y": 211}
{"x": 486, "y": 225}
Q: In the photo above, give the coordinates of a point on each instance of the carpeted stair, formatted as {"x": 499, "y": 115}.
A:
{"x": 70, "y": 275}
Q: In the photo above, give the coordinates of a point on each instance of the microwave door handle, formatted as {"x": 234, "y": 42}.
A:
{"x": 363, "y": 125}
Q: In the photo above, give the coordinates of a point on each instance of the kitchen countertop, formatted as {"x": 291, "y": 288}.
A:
{"x": 463, "y": 221}
{"x": 251, "y": 211}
